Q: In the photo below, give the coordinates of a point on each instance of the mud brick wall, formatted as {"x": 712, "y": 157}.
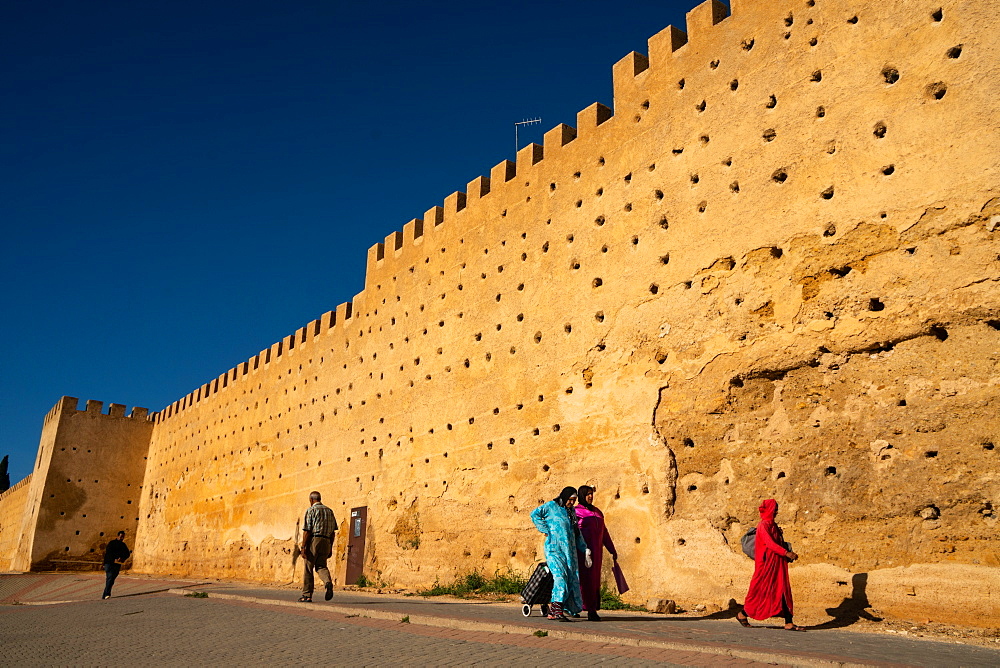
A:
{"x": 771, "y": 270}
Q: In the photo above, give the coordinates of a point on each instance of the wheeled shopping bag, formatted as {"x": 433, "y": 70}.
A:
{"x": 538, "y": 591}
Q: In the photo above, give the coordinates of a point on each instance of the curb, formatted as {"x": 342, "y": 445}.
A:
{"x": 779, "y": 658}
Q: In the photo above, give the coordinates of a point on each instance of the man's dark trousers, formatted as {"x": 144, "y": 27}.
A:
{"x": 110, "y": 573}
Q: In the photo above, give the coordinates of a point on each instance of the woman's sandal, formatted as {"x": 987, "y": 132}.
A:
{"x": 794, "y": 627}
{"x": 743, "y": 620}
{"x": 305, "y": 599}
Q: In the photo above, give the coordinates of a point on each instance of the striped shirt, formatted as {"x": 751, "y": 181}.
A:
{"x": 319, "y": 521}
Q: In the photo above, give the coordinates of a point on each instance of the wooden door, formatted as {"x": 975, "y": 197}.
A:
{"x": 357, "y": 527}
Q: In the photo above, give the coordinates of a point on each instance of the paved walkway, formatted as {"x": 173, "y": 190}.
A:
{"x": 368, "y": 629}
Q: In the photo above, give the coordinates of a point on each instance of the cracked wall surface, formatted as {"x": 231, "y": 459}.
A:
{"x": 773, "y": 271}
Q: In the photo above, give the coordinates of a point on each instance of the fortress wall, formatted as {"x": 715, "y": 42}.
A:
{"x": 720, "y": 293}
{"x": 13, "y": 503}
{"x": 85, "y": 485}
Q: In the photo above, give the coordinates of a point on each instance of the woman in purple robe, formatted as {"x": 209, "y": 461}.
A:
{"x": 596, "y": 536}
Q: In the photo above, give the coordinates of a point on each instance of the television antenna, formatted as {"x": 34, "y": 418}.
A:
{"x": 527, "y": 121}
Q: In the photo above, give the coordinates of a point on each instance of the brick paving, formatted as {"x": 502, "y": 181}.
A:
{"x": 166, "y": 630}
{"x": 258, "y": 624}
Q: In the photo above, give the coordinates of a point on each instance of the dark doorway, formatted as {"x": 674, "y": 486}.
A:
{"x": 356, "y": 544}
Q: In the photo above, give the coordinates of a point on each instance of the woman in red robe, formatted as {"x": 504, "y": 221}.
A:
{"x": 596, "y": 536}
{"x": 770, "y": 593}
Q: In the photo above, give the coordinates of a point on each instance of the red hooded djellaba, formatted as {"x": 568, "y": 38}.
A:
{"x": 770, "y": 593}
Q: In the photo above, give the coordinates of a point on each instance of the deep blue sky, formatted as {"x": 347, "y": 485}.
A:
{"x": 182, "y": 184}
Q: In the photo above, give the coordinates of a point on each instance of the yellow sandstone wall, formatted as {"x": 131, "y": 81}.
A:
{"x": 85, "y": 486}
{"x": 13, "y": 503}
{"x": 773, "y": 271}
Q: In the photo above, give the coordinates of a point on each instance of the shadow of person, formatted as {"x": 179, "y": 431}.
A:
{"x": 296, "y": 553}
{"x": 729, "y": 613}
{"x": 851, "y": 609}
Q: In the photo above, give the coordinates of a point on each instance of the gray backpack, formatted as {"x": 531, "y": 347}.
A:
{"x": 748, "y": 540}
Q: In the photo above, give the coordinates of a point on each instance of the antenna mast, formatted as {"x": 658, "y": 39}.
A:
{"x": 527, "y": 121}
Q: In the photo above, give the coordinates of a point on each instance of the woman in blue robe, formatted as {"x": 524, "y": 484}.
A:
{"x": 557, "y": 520}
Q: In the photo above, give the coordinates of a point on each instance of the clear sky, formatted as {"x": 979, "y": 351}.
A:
{"x": 184, "y": 183}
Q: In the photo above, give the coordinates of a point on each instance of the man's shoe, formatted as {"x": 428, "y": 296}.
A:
{"x": 106, "y": 597}
{"x": 592, "y": 616}
{"x": 329, "y": 591}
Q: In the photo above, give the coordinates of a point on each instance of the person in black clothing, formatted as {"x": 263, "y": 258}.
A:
{"x": 114, "y": 556}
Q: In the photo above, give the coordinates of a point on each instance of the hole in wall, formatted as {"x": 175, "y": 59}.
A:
{"x": 820, "y": 112}
{"x": 769, "y": 135}
{"x": 888, "y": 169}
{"x": 813, "y": 41}
{"x": 734, "y": 84}
{"x": 781, "y": 474}
{"x": 830, "y": 470}
{"x": 734, "y": 186}
{"x": 937, "y": 16}
{"x": 954, "y": 52}
{"x": 939, "y": 332}
{"x": 702, "y": 206}
{"x": 937, "y": 90}
{"x": 853, "y": 20}
{"x": 890, "y": 74}
{"x": 827, "y": 194}
{"x": 779, "y": 176}
{"x": 931, "y": 454}
{"x": 875, "y": 304}
{"x": 772, "y": 102}
{"x": 747, "y": 44}
{"x": 879, "y": 130}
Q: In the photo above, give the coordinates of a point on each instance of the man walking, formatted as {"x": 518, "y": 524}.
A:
{"x": 317, "y": 546}
{"x": 115, "y": 555}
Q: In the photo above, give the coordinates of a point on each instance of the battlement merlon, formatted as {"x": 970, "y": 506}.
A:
{"x": 557, "y": 137}
{"x": 528, "y": 157}
{"x": 627, "y": 84}
{"x": 413, "y": 231}
{"x": 703, "y": 18}
{"x": 503, "y": 172}
{"x": 478, "y": 188}
{"x": 588, "y": 119}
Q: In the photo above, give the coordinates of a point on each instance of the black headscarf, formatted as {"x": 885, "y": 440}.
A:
{"x": 565, "y": 495}
{"x": 582, "y": 500}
